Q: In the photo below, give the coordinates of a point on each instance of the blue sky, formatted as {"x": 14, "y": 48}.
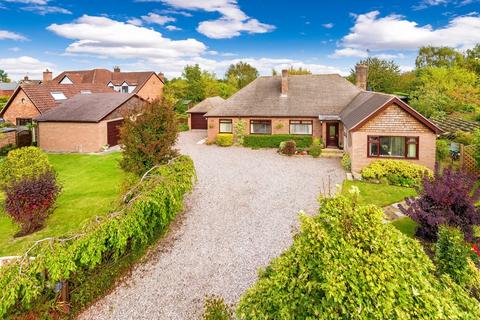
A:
{"x": 165, "y": 35}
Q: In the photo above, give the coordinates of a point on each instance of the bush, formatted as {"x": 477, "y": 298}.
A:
{"x": 395, "y": 172}
{"x": 29, "y": 201}
{"x": 447, "y": 198}
{"x": 148, "y": 135}
{"x": 105, "y": 240}
{"x": 288, "y": 147}
{"x": 347, "y": 162}
{"x": 442, "y": 150}
{"x": 463, "y": 137}
{"x": 453, "y": 257}
{"x": 346, "y": 264}
{"x": 217, "y": 309}
{"x": 6, "y": 149}
{"x": 273, "y": 141}
{"x": 23, "y": 163}
{"x": 224, "y": 139}
{"x": 315, "y": 149}
{"x": 239, "y": 128}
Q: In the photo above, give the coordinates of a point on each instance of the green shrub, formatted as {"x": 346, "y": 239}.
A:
{"x": 156, "y": 203}
{"x": 183, "y": 127}
{"x": 395, "y": 172}
{"x": 463, "y": 137}
{"x": 288, "y": 147}
{"x": 273, "y": 141}
{"x": 239, "y": 128}
{"x": 347, "y": 162}
{"x": 315, "y": 149}
{"x": 6, "y": 149}
{"x": 442, "y": 150}
{"x": 346, "y": 264}
{"x": 216, "y": 309}
{"x": 23, "y": 163}
{"x": 224, "y": 139}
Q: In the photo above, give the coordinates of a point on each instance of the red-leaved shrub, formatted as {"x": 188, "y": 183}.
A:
{"x": 29, "y": 201}
{"x": 448, "y": 198}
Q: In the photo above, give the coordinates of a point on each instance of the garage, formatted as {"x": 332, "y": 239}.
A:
{"x": 113, "y": 132}
{"x": 196, "y": 119}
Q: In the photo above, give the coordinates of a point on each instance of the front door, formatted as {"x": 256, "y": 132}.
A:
{"x": 332, "y": 134}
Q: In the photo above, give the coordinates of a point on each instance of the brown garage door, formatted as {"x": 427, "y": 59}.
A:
{"x": 113, "y": 132}
{"x": 198, "y": 121}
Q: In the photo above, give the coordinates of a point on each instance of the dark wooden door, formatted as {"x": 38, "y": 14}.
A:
{"x": 24, "y": 138}
{"x": 332, "y": 134}
{"x": 113, "y": 132}
{"x": 198, "y": 121}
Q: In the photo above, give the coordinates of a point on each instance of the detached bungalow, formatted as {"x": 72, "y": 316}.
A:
{"x": 367, "y": 125}
{"x": 196, "y": 114}
{"x": 85, "y": 123}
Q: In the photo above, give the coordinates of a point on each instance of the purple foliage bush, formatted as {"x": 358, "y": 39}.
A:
{"x": 447, "y": 198}
{"x": 29, "y": 201}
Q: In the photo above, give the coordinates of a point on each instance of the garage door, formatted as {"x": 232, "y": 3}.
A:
{"x": 198, "y": 121}
{"x": 113, "y": 132}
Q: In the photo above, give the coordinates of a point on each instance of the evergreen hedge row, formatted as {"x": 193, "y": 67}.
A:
{"x": 274, "y": 140}
{"x": 25, "y": 282}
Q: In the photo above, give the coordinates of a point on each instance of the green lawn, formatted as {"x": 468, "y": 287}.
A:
{"x": 380, "y": 195}
{"x": 406, "y": 225}
{"x": 90, "y": 183}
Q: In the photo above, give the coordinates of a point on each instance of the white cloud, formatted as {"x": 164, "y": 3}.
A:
{"x": 106, "y": 37}
{"x": 153, "y": 18}
{"x": 8, "y": 35}
{"x": 328, "y": 25}
{"x": 429, "y": 3}
{"x": 14, "y": 49}
{"x": 135, "y": 21}
{"x": 389, "y": 56}
{"x": 44, "y": 10}
{"x": 349, "y": 52}
{"x": 39, "y": 2}
{"x": 394, "y": 32}
{"x": 233, "y": 20}
{"x": 172, "y": 28}
{"x": 18, "y": 67}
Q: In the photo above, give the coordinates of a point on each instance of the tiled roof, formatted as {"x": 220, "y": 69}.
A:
{"x": 8, "y": 85}
{"x": 363, "y": 105}
{"x": 206, "y": 105}
{"x": 87, "y": 107}
{"x": 41, "y": 95}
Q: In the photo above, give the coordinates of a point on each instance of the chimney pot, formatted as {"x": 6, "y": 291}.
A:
{"x": 116, "y": 69}
{"x": 361, "y": 72}
{"x": 284, "y": 82}
{"x": 47, "y": 75}
{"x": 161, "y": 76}
{"x": 25, "y": 78}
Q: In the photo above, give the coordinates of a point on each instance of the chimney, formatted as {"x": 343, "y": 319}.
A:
{"x": 116, "y": 69}
{"x": 47, "y": 75}
{"x": 361, "y": 71}
{"x": 284, "y": 82}
{"x": 25, "y": 78}
{"x": 161, "y": 76}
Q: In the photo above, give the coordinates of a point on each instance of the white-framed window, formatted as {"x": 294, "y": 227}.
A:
{"x": 301, "y": 126}
{"x": 225, "y": 126}
{"x": 58, "y": 95}
{"x": 261, "y": 126}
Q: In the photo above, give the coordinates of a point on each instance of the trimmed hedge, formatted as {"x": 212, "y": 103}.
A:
{"x": 23, "y": 283}
{"x": 274, "y": 140}
{"x": 395, "y": 172}
{"x": 224, "y": 139}
{"x": 346, "y": 264}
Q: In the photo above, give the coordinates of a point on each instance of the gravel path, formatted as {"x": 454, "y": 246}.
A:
{"x": 240, "y": 215}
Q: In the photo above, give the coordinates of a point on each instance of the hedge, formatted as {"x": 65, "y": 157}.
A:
{"x": 273, "y": 141}
{"x": 395, "y": 172}
{"x": 152, "y": 206}
{"x": 224, "y": 139}
{"x": 346, "y": 264}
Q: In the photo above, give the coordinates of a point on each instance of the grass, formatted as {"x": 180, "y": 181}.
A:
{"x": 405, "y": 225}
{"x": 91, "y": 184}
{"x": 380, "y": 195}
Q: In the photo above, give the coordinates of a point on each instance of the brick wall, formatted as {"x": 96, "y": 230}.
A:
{"x": 6, "y": 93}
{"x": 393, "y": 121}
{"x": 279, "y": 125}
{"x": 20, "y": 107}
{"x": 7, "y": 138}
{"x": 152, "y": 89}
{"x": 127, "y": 106}
{"x": 72, "y": 137}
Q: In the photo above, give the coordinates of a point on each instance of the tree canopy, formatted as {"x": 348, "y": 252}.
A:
{"x": 430, "y": 56}
{"x": 4, "y": 76}
{"x": 383, "y": 75}
{"x": 241, "y": 74}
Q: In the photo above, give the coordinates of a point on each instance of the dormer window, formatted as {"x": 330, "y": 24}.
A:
{"x": 57, "y": 95}
{"x": 124, "y": 89}
{"x": 66, "y": 80}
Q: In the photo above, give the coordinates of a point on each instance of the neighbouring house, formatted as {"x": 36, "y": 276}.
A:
{"x": 85, "y": 123}
{"x": 7, "y": 88}
{"x": 196, "y": 114}
{"x": 367, "y": 125}
{"x": 146, "y": 84}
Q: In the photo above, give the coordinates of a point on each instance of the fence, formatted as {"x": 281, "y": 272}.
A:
{"x": 467, "y": 158}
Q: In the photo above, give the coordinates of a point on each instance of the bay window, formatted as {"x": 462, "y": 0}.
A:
{"x": 225, "y": 126}
{"x": 261, "y": 126}
{"x": 301, "y": 126}
{"x": 393, "y": 147}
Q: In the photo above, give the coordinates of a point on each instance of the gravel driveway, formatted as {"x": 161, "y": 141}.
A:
{"x": 240, "y": 215}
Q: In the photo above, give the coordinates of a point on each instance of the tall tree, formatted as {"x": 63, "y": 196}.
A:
{"x": 382, "y": 75}
{"x": 430, "y": 56}
{"x": 195, "y": 90}
{"x": 472, "y": 59}
{"x": 4, "y": 76}
{"x": 241, "y": 74}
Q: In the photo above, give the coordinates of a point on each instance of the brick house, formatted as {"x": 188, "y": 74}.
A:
{"x": 7, "y": 88}
{"x": 367, "y": 125}
{"x": 85, "y": 123}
